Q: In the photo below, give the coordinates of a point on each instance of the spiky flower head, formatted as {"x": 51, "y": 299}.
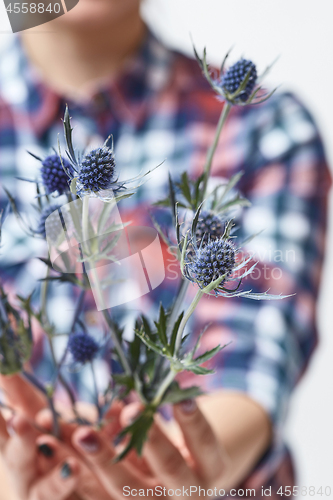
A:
{"x": 94, "y": 173}
{"x": 52, "y": 223}
{"x": 238, "y": 84}
{"x": 97, "y": 170}
{"x": 53, "y": 174}
{"x": 212, "y": 261}
{"x": 242, "y": 71}
{"x": 209, "y": 227}
{"x": 82, "y": 347}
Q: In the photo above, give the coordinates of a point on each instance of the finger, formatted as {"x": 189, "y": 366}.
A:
{"x": 22, "y": 395}
{"x": 127, "y": 416}
{"x": 111, "y": 427}
{"x": 200, "y": 440}
{"x": 20, "y": 453}
{"x": 100, "y": 455}
{"x": 52, "y": 452}
{"x": 166, "y": 461}
{"x": 58, "y": 484}
{"x": 3, "y": 433}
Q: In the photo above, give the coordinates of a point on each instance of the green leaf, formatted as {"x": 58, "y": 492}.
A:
{"x": 174, "y": 334}
{"x": 214, "y": 284}
{"x": 197, "y": 344}
{"x": 209, "y": 354}
{"x": 65, "y": 278}
{"x": 159, "y": 230}
{"x": 238, "y": 200}
{"x": 162, "y": 203}
{"x": 197, "y": 189}
{"x": 198, "y": 370}
{"x": 161, "y": 326}
{"x": 46, "y": 261}
{"x": 172, "y": 200}
{"x": 149, "y": 343}
{"x": 227, "y": 229}
{"x": 177, "y": 224}
{"x": 134, "y": 352}
{"x": 195, "y": 220}
{"x": 231, "y": 184}
{"x": 68, "y": 136}
{"x": 34, "y": 156}
{"x": 182, "y": 260}
{"x": 185, "y": 187}
{"x": 175, "y": 394}
{"x": 138, "y": 432}
{"x": 146, "y": 326}
{"x": 199, "y": 61}
{"x": 122, "y": 379}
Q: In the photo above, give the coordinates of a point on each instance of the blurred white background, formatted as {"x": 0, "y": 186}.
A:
{"x": 300, "y": 32}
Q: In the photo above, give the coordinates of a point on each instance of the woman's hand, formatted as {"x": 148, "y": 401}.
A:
{"x": 20, "y": 455}
{"x": 42, "y": 453}
{"x": 200, "y": 462}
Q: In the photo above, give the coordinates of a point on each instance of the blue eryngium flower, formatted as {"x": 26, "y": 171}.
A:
{"x": 233, "y": 78}
{"x": 209, "y": 227}
{"x": 213, "y": 260}
{"x": 94, "y": 173}
{"x": 53, "y": 222}
{"x": 211, "y": 265}
{"x": 82, "y": 347}
{"x": 97, "y": 170}
{"x": 238, "y": 84}
{"x": 54, "y": 176}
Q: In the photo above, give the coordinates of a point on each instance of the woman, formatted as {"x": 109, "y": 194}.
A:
{"x": 117, "y": 78}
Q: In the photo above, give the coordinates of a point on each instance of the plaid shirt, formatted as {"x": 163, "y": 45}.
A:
{"x": 160, "y": 107}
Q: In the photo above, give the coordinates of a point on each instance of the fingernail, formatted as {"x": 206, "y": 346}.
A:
{"x": 89, "y": 443}
{"x": 188, "y": 406}
{"x": 45, "y": 450}
{"x": 65, "y": 471}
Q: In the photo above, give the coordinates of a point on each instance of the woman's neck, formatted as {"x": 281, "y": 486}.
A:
{"x": 75, "y": 63}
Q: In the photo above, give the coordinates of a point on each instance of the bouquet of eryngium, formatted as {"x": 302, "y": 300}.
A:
{"x": 87, "y": 250}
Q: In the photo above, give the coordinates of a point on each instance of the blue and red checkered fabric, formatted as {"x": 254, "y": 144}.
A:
{"x": 161, "y": 108}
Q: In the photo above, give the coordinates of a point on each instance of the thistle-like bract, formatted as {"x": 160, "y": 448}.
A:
{"x": 82, "y": 347}
{"x": 53, "y": 174}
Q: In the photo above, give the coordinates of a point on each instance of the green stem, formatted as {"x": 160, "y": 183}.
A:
{"x": 212, "y": 149}
{"x": 116, "y": 343}
{"x": 98, "y": 407}
{"x": 207, "y": 168}
{"x": 98, "y": 289}
{"x": 163, "y": 388}
{"x": 85, "y": 224}
{"x": 48, "y": 328}
{"x": 185, "y": 319}
{"x": 172, "y": 373}
{"x": 175, "y": 311}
